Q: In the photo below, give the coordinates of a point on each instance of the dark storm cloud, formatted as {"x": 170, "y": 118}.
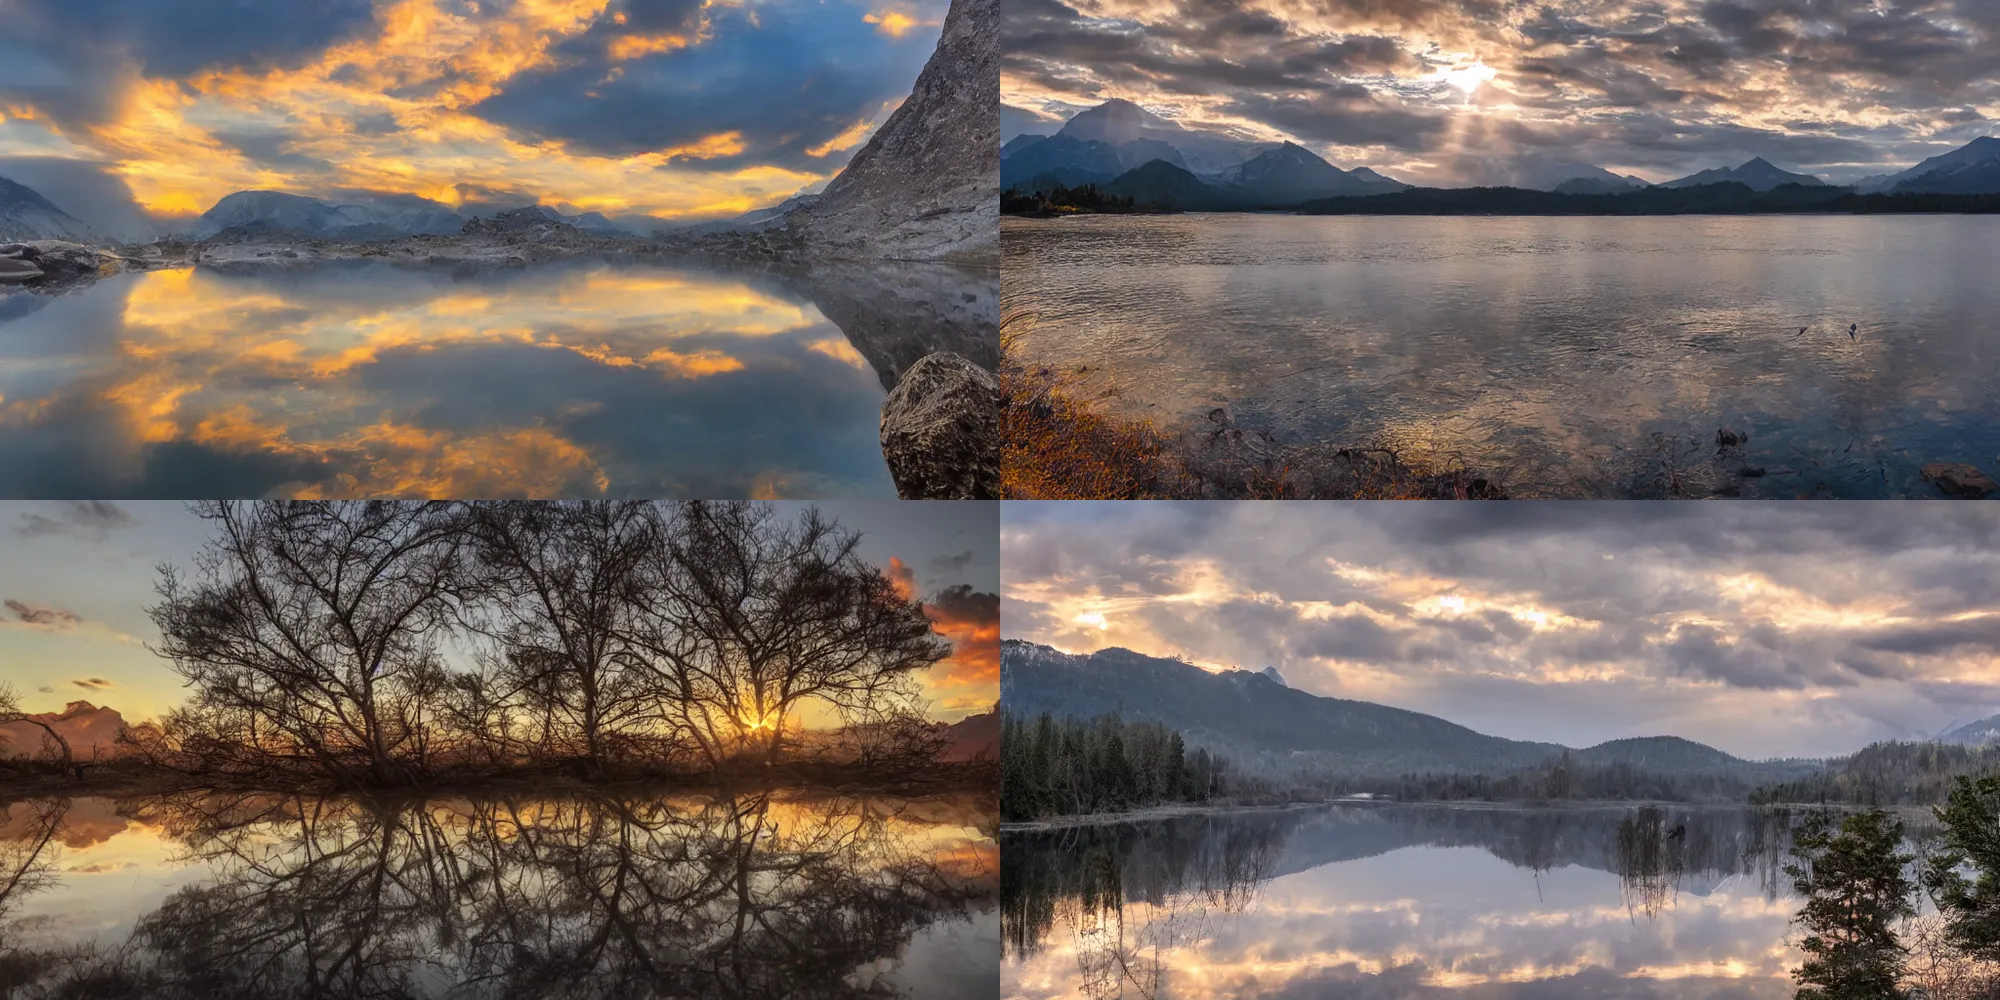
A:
{"x": 1669, "y": 86}
{"x": 786, "y": 84}
{"x": 70, "y": 57}
{"x": 1882, "y": 618}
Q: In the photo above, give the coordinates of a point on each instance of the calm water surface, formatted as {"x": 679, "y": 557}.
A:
{"x": 1585, "y": 357}
{"x": 1402, "y": 902}
{"x": 626, "y": 896}
{"x": 566, "y": 379}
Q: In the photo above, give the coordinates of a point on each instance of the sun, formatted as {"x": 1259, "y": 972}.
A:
{"x": 1468, "y": 78}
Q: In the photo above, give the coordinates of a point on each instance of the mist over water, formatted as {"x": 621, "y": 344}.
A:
{"x": 1589, "y": 357}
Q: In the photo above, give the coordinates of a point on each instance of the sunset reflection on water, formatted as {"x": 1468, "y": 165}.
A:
{"x": 561, "y": 379}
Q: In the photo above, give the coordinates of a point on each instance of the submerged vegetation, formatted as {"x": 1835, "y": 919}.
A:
{"x": 373, "y": 644}
{"x": 1057, "y": 445}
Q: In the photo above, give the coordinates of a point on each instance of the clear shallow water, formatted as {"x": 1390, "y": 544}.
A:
{"x": 1554, "y": 349}
{"x": 568, "y": 379}
{"x": 1403, "y": 902}
{"x": 618, "y": 895}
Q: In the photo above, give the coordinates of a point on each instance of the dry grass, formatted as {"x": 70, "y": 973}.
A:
{"x": 1057, "y": 445}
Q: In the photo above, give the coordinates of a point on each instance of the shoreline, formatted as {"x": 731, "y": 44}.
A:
{"x": 1052, "y": 824}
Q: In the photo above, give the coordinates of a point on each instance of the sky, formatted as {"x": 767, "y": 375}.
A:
{"x": 123, "y": 111}
{"x": 1448, "y": 91}
{"x": 1764, "y": 630}
{"x": 76, "y": 578}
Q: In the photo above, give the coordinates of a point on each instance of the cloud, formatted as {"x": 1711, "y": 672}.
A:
{"x": 1576, "y": 622}
{"x": 667, "y": 108}
{"x": 902, "y": 577}
{"x": 773, "y": 85}
{"x": 1659, "y": 88}
{"x": 79, "y": 518}
{"x": 971, "y": 620}
{"x": 92, "y": 683}
{"x": 42, "y": 616}
{"x": 951, "y": 563}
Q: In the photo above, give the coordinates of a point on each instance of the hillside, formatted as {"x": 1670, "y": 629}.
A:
{"x": 927, "y": 185}
{"x": 26, "y": 215}
{"x": 1247, "y": 711}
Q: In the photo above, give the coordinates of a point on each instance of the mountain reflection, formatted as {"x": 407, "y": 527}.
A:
{"x": 587, "y": 896}
{"x": 570, "y": 379}
{"x": 1403, "y": 901}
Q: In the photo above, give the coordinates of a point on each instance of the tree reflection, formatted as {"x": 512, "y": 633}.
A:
{"x": 1129, "y": 895}
{"x": 593, "y": 896}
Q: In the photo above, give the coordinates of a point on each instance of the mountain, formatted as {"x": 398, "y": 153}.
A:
{"x": 1974, "y": 734}
{"x": 1018, "y": 143}
{"x": 1160, "y": 184}
{"x": 1016, "y": 122}
{"x": 1291, "y": 174}
{"x": 774, "y": 217}
{"x": 90, "y": 730}
{"x": 1248, "y": 711}
{"x": 1258, "y": 712}
{"x": 1657, "y": 753}
{"x": 1070, "y": 160}
{"x": 1140, "y": 152}
{"x": 927, "y": 185}
{"x": 1973, "y": 168}
{"x": 298, "y": 215}
{"x": 975, "y": 737}
{"x": 1598, "y": 185}
{"x": 26, "y": 215}
{"x": 1541, "y": 173}
{"x": 1757, "y": 175}
{"x": 1117, "y": 122}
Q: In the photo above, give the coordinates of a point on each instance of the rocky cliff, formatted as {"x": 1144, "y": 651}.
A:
{"x": 927, "y": 184}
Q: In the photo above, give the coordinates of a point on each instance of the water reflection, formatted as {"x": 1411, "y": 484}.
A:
{"x": 1555, "y": 349}
{"x": 590, "y": 896}
{"x": 1404, "y": 901}
{"x": 575, "y": 378}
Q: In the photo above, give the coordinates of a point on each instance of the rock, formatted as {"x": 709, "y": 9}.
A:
{"x": 1726, "y": 438}
{"x": 18, "y": 270}
{"x": 941, "y": 431}
{"x": 1956, "y": 479}
{"x": 61, "y": 260}
{"x": 927, "y": 184}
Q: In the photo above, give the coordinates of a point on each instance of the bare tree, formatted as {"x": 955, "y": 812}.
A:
{"x": 313, "y": 624}
{"x": 554, "y": 580}
{"x": 743, "y": 619}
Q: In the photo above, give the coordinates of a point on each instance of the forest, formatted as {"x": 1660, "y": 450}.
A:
{"x": 1075, "y": 767}
{"x": 379, "y": 644}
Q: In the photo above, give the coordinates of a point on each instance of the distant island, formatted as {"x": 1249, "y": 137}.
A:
{"x": 1126, "y": 731}
{"x": 1118, "y": 157}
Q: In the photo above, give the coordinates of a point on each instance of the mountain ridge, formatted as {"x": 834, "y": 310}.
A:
{"x": 1257, "y": 712}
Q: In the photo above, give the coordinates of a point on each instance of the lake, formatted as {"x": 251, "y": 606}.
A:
{"x": 610, "y": 894}
{"x": 575, "y": 378}
{"x": 1404, "y": 901}
{"x": 1580, "y": 357}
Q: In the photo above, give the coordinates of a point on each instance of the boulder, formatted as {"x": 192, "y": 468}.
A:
{"x": 60, "y": 260}
{"x": 1956, "y": 479}
{"x": 941, "y": 431}
{"x": 18, "y": 270}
